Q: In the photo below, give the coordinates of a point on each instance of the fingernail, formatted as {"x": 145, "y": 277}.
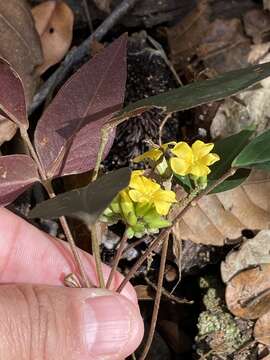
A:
{"x": 112, "y": 325}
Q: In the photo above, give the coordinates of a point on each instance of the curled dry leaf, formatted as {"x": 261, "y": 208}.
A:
{"x": 248, "y": 293}
{"x": 67, "y": 137}
{"x": 17, "y": 173}
{"x": 20, "y": 43}
{"x": 54, "y": 23}
{"x": 222, "y": 216}
{"x": 253, "y": 252}
{"x": 262, "y": 329}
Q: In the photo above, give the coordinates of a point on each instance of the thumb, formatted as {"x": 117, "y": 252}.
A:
{"x": 47, "y": 322}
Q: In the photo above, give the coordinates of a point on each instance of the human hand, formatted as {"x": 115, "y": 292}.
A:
{"x": 42, "y": 319}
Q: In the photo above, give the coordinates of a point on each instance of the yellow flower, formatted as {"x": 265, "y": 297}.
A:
{"x": 144, "y": 190}
{"x": 194, "y": 160}
{"x": 154, "y": 154}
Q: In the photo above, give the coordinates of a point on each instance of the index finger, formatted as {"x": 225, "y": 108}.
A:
{"x": 28, "y": 255}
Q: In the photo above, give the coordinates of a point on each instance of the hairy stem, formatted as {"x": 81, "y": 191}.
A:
{"x": 157, "y": 299}
{"x": 96, "y": 252}
{"x": 116, "y": 260}
{"x": 176, "y": 216}
{"x": 48, "y": 186}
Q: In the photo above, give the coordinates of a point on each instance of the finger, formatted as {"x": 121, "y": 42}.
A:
{"x": 28, "y": 255}
{"x": 47, "y": 322}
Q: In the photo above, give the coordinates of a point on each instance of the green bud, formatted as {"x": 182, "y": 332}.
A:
{"x": 155, "y": 221}
{"x": 127, "y": 208}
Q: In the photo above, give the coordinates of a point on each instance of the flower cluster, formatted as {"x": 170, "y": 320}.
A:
{"x": 183, "y": 160}
{"x": 142, "y": 206}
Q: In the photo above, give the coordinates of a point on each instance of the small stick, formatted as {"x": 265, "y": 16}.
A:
{"x": 157, "y": 299}
{"x": 74, "y": 56}
{"x": 117, "y": 259}
{"x": 167, "y": 294}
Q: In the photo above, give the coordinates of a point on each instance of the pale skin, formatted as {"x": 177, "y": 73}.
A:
{"x": 41, "y": 319}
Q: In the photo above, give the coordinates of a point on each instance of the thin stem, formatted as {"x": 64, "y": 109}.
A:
{"x": 48, "y": 186}
{"x": 176, "y": 216}
{"x": 104, "y": 139}
{"x": 117, "y": 259}
{"x": 161, "y": 127}
{"x": 96, "y": 253}
{"x": 157, "y": 299}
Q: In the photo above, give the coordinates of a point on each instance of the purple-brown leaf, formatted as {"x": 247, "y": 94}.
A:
{"x": 12, "y": 100}
{"x": 17, "y": 173}
{"x": 67, "y": 137}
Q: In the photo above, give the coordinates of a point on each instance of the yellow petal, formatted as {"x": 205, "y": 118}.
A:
{"x": 148, "y": 186}
{"x": 183, "y": 151}
{"x": 179, "y": 166}
{"x": 153, "y": 154}
{"x": 136, "y": 179}
{"x": 162, "y": 207}
{"x": 200, "y": 149}
{"x": 199, "y": 169}
{"x": 165, "y": 146}
{"x": 165, "y": 195}
{"x": 137, "y": 196}
{"x": 210, "y": 159}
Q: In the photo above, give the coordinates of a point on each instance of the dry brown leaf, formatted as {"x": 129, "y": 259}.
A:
{"x": 54, "y": 23}
{"x": 257, "y": 25}
{"x": 253, "y": 252}
{"x": 20, "y": 43}
{"x": 184, "y": 37}
{"x": 223, "y": 216}
{"x": 262, "y": 329}
{"x": 248, "y": 293}
{"x": 144, "y": 292}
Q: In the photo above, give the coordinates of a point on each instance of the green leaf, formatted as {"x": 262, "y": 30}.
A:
{"x": 184, "y": 181}
{"x": 228, "y": 149}
{"x": 201, "y": 92}
{"x": 86, "y": 203}
{"x": 256, "y": 153}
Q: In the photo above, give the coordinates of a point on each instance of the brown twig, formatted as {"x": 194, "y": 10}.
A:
{"x": 177, "y": 215}
{"x": 117, "y": 259}
{"x": 157, "y": 299}
{"x": 167, "y": 294}
{"x": 96, "y": 252}
{"x": 75, "y": 55}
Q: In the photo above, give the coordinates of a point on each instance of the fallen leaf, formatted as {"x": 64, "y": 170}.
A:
{"x": 17, "y": 173}
{"x": 248, "y": 293}
{"x": 224, "y": 46}
{"x": 252, "y": 252}
{"x": 54, "y": 23}
{"x": 253, "y": 109}
{"x": 20, "y": 44}
{"x": 257, "y": 25}
{"x": 67, "y": 136}
{"x": 103, "y": 5}
{"x": 222, "y": 216}
{"x": 185, "y": 36}
{"x": 262, "y": 329}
